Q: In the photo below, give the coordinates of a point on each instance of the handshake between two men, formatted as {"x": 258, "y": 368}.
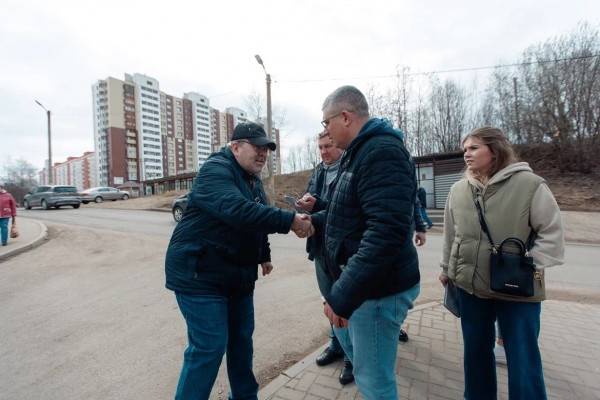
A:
{"x": 302, "y": 225}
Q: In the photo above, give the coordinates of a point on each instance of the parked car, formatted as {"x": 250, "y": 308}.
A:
{"x": 178, "y": 207}
{"x": 99, "y": 194}
{"x": 52, "y": 196}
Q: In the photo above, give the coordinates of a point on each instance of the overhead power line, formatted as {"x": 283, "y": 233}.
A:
{"x": 442, "y": 71}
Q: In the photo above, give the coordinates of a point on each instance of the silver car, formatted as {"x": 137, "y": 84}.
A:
{"x": 99, "y": 194}
{"x": 52, "y": 196}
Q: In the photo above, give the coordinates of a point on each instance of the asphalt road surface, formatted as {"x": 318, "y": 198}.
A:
{"x": 86, "y": 315}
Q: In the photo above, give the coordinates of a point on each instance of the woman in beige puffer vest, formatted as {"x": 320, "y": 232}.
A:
{"x": 514, "y": 201}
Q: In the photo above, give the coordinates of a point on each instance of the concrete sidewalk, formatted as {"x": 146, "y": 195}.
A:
{"x": 32, "y": 233}
{"x": 430, "y": 365}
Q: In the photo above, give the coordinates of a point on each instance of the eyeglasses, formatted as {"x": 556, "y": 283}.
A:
{"x": 326, "y": 121}
{"x": 258, "y": 149}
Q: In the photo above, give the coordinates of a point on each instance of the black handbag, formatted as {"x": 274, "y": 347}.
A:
{"x": 510, "y": 273}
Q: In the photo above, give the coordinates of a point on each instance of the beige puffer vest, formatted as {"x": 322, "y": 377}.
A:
{"x": 506, "y": 204}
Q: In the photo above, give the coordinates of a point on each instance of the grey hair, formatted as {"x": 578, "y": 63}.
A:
{"x": 347, "y": 98}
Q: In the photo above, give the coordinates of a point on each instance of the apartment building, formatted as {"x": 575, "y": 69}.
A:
{"x": 75, "y": 171}
{"x": 148, "y": 123}
{"x": 116, "y": 136}
{"x": 143, "y": 134}
{"x": 202, "y": 126}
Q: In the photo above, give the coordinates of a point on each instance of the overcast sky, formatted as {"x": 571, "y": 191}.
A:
{"x": 54, "y": 51}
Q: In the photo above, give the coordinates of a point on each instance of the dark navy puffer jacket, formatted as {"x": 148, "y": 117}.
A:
{"x": 368, "y": 223}
{"x": 217, "y": 246}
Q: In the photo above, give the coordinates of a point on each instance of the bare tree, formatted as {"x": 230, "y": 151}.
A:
{"x": 561, "y": 86}
{"x": 254, "y": 106}
{"x": 19, "y": 177}
{"x": 447, "y": 114}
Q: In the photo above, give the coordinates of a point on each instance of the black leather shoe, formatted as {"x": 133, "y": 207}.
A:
{"x": 403, "y": 336}
{"x": 346, "y": 376}
{"x": 327, "y": 357}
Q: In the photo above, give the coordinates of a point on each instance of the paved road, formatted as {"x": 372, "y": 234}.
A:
{"x": 87, "y": 316}
{"x": 128, "y": 221}
{"x": 581, "y": 266}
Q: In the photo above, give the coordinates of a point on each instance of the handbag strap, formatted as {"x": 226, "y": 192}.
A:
{"x": 484, "y": 226}
{"x": 482, "y": 221}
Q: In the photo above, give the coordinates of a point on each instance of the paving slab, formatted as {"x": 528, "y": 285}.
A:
{"x": 430, "y": 364}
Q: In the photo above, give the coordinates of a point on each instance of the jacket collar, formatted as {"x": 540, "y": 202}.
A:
{"x": 226, "y": 152}
{"x": 373, "y": 127}
{"x": 500, "y": 176}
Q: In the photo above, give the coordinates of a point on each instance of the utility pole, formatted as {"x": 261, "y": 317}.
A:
{"x": 517, "y": 120}
{"x": 270, "y": 186}
{"x": 50, "y": 178}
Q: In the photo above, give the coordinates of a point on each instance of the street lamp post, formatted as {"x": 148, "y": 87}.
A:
{"x": 270, "y": 175}
{"x": 50, "y": 180}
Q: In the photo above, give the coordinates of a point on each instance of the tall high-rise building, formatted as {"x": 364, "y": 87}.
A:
{"x": 148, "y": 121}
{"x": 116, "y": 135}
{"x": 202, "y": 126}
{"x": 143, "y": 134}
{"x": 215, "y": 129}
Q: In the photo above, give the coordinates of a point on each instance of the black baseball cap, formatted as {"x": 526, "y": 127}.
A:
{"x": 254, "y": 133}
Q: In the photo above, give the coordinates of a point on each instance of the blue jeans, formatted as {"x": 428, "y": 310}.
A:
{"x": 371, "y": 342}
{"x": 425, "y": 217}
{"x": 4, "y": 230}
{"x": 217, "y": 324}
{"x": 519, "y": 323}
{"x": 324, "y": 281}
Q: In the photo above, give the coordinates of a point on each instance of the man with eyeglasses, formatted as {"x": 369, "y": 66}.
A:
{"x": 212, "y": 262}
{"x": 367, "y": 229}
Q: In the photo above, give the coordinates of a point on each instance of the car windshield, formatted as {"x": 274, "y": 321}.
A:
{"x": 65, "y": 189}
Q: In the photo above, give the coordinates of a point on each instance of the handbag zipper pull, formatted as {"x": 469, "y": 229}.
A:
{"x": 537, "y": 275}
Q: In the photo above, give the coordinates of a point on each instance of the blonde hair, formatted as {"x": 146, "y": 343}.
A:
{"x": 501, "y": 149}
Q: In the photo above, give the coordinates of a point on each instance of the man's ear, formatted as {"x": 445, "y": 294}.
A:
{"x": 347, "y": 118}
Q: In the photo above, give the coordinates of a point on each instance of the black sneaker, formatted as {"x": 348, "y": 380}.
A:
{"x": 347, "y": 374}
{"x": 403, "y": 336}
{"x": 327, "y": 357}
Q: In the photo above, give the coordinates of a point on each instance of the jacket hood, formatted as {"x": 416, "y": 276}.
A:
{"x": 501, "y": 175}
{"x": 373, "y": 127}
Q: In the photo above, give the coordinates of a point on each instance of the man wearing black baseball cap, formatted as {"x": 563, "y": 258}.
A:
{"x": 212, "y": 262}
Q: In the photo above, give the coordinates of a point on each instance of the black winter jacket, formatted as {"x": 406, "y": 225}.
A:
{"x": 315, "y": 186}
{"x": 368, "y": 223}
{"x": 217, "y": 246}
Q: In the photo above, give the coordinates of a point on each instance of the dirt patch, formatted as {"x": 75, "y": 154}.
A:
{"x": 159, "y": 201}
{"x": 578, "y": 295}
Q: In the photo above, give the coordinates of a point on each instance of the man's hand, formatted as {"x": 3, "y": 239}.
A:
{"x": 302, "y": 226}
{"x": 335, "y": 319}
{"x": 307, "y": 202}
{"x": 267, "y": 267}
{"x": 420, "y": 238}
{"x": 444, "y": 279}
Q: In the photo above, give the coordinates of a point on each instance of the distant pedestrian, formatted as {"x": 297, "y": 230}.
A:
{"x": 212, "y": 263}
{"x": 8, "y": 210}
{"x": 422, "y": 195}
{"x": 514, "y": 202}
